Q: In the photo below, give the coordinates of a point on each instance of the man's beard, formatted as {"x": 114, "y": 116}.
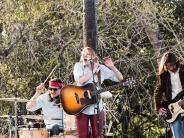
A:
{"x": 55, "y": 100}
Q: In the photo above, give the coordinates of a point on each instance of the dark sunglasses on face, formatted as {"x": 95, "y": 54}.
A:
{"x": 53, "y": 89}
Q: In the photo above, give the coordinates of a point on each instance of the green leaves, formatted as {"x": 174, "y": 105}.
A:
{"x": 40, "y": 34}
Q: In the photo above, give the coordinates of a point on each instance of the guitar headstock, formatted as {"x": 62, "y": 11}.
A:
{"x": 129, "y": 82}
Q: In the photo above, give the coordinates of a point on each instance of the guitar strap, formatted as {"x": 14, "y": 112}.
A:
{"x": 99, "y": 79}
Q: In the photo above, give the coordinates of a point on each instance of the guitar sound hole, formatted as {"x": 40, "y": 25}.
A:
{"x": 86, "y": 95}
{"x": 77, "y": 98}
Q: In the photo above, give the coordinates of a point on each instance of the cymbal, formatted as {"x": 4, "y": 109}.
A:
{"x": 37, "y": 117}
{"x": 6, "y": 116}
{"x": 14, "y": 99}
{"x": 3, "y": 116}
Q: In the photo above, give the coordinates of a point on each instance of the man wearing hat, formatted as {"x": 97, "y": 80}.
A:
{"x": 49, "y": 103}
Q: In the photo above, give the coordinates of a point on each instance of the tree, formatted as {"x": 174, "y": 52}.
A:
{"x": 89, "y": 24}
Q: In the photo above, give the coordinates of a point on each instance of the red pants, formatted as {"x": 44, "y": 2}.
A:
{"x": 83, "y": 125}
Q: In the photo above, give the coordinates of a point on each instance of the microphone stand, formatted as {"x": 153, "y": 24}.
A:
{"x": 92, "y": 65}
{"x": 96, "y": 98}
{"x": 62, "y": 117}
{"x": 16, "y": 116}
{"x": 98, "y": 118}
{"x": 10, "y": 125}
{"x": 62, "y": 121}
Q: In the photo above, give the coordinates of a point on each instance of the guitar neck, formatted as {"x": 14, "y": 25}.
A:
{"x": 181, "y": 102}
{"x": 110, "y": 87}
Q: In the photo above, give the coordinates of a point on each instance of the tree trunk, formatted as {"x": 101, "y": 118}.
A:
{"x": 148, "y": 19}
{"x": 89, "y": 24}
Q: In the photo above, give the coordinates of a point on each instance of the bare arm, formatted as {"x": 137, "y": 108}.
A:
{"x": 32, "y": 102}
{"x": 117, "y": 73}
{"x": 86, "y": 77}
{"x": 83, "y": 79}
{"x": 109, "y": 63}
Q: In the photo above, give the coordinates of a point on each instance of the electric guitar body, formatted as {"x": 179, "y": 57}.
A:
{"x": 174, "y": 107}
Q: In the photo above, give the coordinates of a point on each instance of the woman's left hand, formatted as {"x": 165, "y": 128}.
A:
{"x": 108, "y": 62}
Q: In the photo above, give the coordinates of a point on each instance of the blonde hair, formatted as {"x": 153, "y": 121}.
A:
{"x": 161, "y": 68}
{"x": 93, "y": 54}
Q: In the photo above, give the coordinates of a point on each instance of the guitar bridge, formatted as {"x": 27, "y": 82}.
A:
{"x": 89, "y": 94}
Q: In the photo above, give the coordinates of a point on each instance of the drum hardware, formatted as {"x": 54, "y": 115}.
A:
{"x": 107, "y": 133}
{"x": 22, "y": 126}
{"x": 108, "y": 127}
{"x": 69, "y": 127}
{"x": 14, "y": 99}
{"x": 10, "y": 124}
{"x": 10, "y": 120}
{"x": 63, "y": 136}
{"x": 33, "y": 133}
{"x": 39, "y": 117}
{"x": 54, "y": 118}
{"x": 16, "y": 115}
{"x": 106, "y": 109}
{"x": 30, "y": 125}
{"x": 36, "y": 117}
{"x": 7, "y": 116}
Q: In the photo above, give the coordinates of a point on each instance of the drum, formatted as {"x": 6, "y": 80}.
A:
{"x": 33, "y": 133}
{"x": 64, "y": 136}
{"x": 70, "y": 127}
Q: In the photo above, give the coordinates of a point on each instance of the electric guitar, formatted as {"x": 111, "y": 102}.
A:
{"x": 174, "y": 107}
{"x": 75, "y": 99}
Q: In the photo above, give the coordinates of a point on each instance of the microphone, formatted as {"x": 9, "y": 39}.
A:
{"x": 91, "y": 60}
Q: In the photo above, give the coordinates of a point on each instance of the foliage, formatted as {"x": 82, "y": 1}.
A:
{"x": 38, "y": 35}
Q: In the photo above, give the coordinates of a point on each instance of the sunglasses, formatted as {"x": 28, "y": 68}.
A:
{"x": 54, "y": 89}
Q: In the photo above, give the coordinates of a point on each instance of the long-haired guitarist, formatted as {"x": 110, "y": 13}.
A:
{"x": 89, "y": 70}
{"x": 170, "y": 83}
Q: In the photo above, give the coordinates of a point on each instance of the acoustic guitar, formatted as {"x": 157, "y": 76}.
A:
{"x": 75, "y": 99}
{"x": 174, "y": 107}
